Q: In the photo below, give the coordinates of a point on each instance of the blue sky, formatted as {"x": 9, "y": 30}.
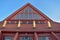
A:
{"x": 51, "y": 8}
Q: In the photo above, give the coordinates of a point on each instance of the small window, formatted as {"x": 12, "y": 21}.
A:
{"x": 37, "y": 22}
{"x": 21, "y": 16}
{"x": 38, "y": 17}
{"x": 8, "y": 38}
{"x": 42, "y": 22}
{"x": 17, "y": 17}
{"x": 12, "y": 22}
{"x": 23, "y": 22}
{"x": 43, "y": 38}
{"x": 25, "y": 16}
{"x": 26, "y": 38}
{"x": 26, "y": 10}
{"x": 35, "y": 16}
{"x": 30, "y": 16}
{"x": 30, "y": 22}
{"x": 30, "y": 10}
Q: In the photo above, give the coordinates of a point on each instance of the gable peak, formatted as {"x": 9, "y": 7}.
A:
{"x": 28, "y": 5}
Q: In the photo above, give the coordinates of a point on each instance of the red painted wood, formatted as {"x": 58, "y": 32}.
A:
{"x": 40, "y": 30}
{"x": 16, "y": 36}
{"x": 54, "y": 36}
{"x": 0, "y": 35}
{"x": 36, "y": 36}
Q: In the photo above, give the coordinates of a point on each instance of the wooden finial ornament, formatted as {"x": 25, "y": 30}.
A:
{"x": 49, "y": 24}
{"x": 4, "y": 24}
{"x": 34, "y": 24}
{"x": 19, "y": 24}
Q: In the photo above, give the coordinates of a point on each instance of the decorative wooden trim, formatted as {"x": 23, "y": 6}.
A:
{"x": 16, "y": 36}
{"x": 19, "y": 24}
{"x": 34, "y": 24}
{"x": 54, "y": 36}
{"x": 4, "y": 24}
{"x": 49, "y": 24}
{"x": 0, "y": 34}
{"x": 36, "y": 36}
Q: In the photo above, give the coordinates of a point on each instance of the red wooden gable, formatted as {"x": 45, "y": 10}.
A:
{"x": 28, "y": 12}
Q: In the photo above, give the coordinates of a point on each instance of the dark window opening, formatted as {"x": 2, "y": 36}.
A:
{"x": 30, "y": 16}
{"x": 40, "y": 22}
{"x": 25, "y": 16}
{"x": 43, "y": 38}
{"x": 26, "y": 9}
{"x": 17, "y": 17}
{"x": 8, "y": 38}
{"x": 21, "y": 15}
{"x": 30, "y": 10}
{"x": 26, "y": 38}
{"x": 23, "y": 22}
{"x": 30, "y": 22}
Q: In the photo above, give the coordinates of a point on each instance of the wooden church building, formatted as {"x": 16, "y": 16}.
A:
{"x": 29, "y": 23}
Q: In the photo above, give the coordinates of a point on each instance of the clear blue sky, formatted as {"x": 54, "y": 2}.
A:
{"x": 51, "y": 8}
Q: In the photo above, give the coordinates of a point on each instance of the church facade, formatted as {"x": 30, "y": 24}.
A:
{"x": 29, "y": 23}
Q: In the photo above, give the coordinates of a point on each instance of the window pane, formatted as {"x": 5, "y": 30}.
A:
{"x": 31, "y": 16}
{"x": 16, "y": 17}
{"x": 8, "y": 38}
{"x": 26, "y": 10}
{"x": 38, "y": 16}
{"x": 23, "y": 22}
{"x": 30, "y": 22}
{"x": 26, "y": 38}
{"x": 25, "y": 16}
{"x": 42, "y": 22}
{"x": 34, "y": 16}
{"x": 30, "y": 10}
{"x": 21, "y": 16}
{"x": 43, "y": 38}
